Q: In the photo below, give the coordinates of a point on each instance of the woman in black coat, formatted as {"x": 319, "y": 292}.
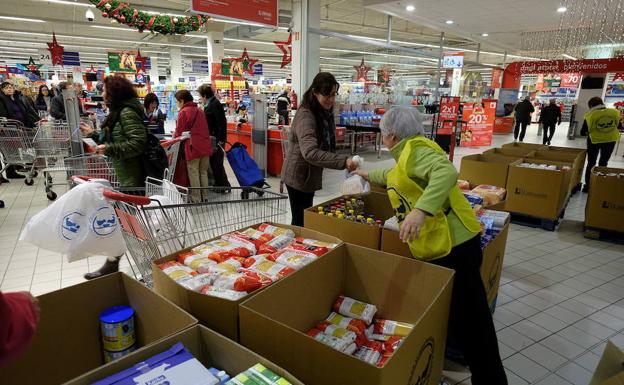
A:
{"x": 43, "y": 99}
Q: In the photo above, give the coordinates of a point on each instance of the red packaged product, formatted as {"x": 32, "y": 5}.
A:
{"x": 277, "y": 243}
{"x": 314, "y": 242}
{"x": 355, "y": 325}
{"x": 392, "y": 344}
{"x": 264, "y": 280}
{"x": 316, "y": 250}
{"x": 238, "y": 282}
{"x": 370, "y": 352}
{"x": 223, "y": 255}
{"x": 271, "y": 269}
{"x": 243, "y": 240}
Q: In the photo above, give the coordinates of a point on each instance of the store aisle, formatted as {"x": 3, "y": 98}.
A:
{"x": 561, "y": 295}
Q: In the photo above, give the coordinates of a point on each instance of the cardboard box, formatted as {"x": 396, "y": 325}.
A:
{"x": 610, "y": 370}
{"x": 582, "y": 156}
{"x": 538, "y": 193}
{"x": 486, "y": 169}
{"x": 491, "y": 267}
{"x": 513, "y": 151}
{"x": 576, "y": 158}
{"x": 68, "y": 342}
{"x": 209, "y": 347}
{"x": 532, "y": 146}
{"x": 274, "y": 322}
{"x": 605, "y": 203}
{"x": 361, "y": 234}
{"x": 218, "y": 314}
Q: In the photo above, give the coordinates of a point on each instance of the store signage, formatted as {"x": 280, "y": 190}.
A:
{"x": 45, "y": 57}
{"x": 497, "y": 76}
{"x": 140, "y": 78}
{"x": 570, "y": 80}
{"x": 479, "y": 118}
{"x": 192, "y": 78}
{"x": 255, "y": 11}
{"x": 453, "y": 60}
{"x": 124, "y": 61}
{"x": 200, "y": 66}
{"x": 449, "y": 108}
{"x": 71, "y": 59}
{"x": 258, "y": 69}
{"x": 187, "y": 65}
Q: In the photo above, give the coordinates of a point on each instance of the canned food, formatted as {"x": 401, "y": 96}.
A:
{"x": 117, "y": 324}
{"x": 112, "y": 356}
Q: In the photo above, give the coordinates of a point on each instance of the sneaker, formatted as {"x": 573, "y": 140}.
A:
{"x": 4, "y": 180}
{"x": 109, "y": 267}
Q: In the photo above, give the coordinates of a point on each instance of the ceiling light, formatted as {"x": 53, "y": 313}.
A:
{"x": 449, "y": 22}
{"x": 485, "y": 34}
{"x": 410, "y": 8}
{"x": 568, "y": 56}
{"x": 67, "y": 2}
{"x": 22, "y": 19}
{"x": 113, "y": 28}
{"x": 561, "y": 9}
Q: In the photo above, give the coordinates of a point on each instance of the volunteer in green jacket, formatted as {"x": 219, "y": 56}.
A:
{"x": 440, "y": 227}
{"x": 602, "y": 123}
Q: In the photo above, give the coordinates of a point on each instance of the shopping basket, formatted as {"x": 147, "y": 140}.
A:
{"x": 16, "y": 147}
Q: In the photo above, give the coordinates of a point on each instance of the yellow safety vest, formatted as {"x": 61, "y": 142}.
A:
{"x": 434, "y": 240}
{"x": 603, "y": 125}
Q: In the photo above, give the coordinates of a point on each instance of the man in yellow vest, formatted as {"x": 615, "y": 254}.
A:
{"x": 440, "y": 227}
{"x": 602, "y": 124}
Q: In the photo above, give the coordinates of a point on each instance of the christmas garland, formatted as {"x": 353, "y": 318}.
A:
{"x": 132, "y": 17}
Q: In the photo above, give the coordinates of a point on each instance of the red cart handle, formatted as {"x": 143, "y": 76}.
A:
{"x": 169, "y": 142}
{"x": 127, "y": 198}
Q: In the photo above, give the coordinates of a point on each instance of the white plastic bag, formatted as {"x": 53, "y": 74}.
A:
{"x": 355, "y": 185}
{"x": 80, "y": 224}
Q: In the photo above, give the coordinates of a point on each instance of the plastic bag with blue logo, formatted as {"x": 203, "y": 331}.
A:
{"x": 80, "y": 224}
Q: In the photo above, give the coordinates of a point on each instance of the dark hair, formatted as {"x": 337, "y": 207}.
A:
{"x": 149, "y": 99}
{"x": 184, "y": 96}
{"x": 205, "y": 91}
{"x": 62, "y": 86}
{"x": 118, "y": 90}
{"x": 41, "y": 90}
{"x": 5, "y": 85}
{"x": 595, "y": 101}
{"x": 323, "y": 84}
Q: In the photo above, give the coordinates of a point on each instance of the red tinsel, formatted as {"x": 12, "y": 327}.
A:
{"x": 151, "y": 22}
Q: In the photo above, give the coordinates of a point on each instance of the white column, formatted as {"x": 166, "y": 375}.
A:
{"x": 153, "y": 72}
{"x": 176, "y": 64}
{"x": 306, "y": 46}
{"x": 455, "y": 86}
{"x": 214, "y": 48}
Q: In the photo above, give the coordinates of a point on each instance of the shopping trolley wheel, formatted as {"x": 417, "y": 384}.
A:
{"x": 51, "y": 195}
{"x": 29, "y": 182}
{"x": 245, "y": 194}
{"x": 35, "y": 174}
{"x": 1, "y": 204}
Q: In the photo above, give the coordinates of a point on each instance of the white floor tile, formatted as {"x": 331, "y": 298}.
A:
{"x": 506, "y": 317}
{"x": 524, "y": 367}
{"x": 563, "y": 314}
{"x": 548, "y": 322}
{"x": 45, "y": 287}
{"x": 595, "y": 329}
{"x": 553, "y": 379}
{"x": 589, "y": 361}
{"x": 579, "y": 337}
{"x": 514, "y": 339}
{"x": 575, "y": 374}
{"x": 531, "y": 330}
{"x": 578, "y": 307}
{"x": 47, "y": 277}
{"x": 520, "y": 308}
{"x": 513, "y": 379}
{"x": 562, "y": 346}
{"x": 607, "y": 320}
{"x": 546, "y": 357}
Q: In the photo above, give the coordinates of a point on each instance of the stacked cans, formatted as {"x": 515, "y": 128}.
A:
{"x": 118, "y": 336}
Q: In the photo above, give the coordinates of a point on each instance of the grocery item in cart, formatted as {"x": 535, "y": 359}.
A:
{"x": 243, "y": 240}
{"x": 392, "y": 328}
{"x": 350, "y": 307}
{"x": 232, "y": 295}
{"x": 273, "y": 270}
{"x": 238, "y": 282}
{"x": 314, "y": 242}
{"x": 177, "y": 271}
{"x": 355, "y": 325}
{"x": 337, "y": 331}
{"x": 339, "y": 344}
{"x": 196, "y": 262}
{"x": 276, "y": 231}
{"x": 223, "y": 245}
{"x": 275, "y": 244}
{"x": 257, "y": 235}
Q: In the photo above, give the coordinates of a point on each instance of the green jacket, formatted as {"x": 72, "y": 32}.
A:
{"x": 436, "y": 176}
{"x": 125, "y": 142}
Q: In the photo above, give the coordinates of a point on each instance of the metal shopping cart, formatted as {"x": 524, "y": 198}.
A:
{"x": 172, "y": 148}
{"x": 16, "y": 146}
{"x": 156, "y": 227}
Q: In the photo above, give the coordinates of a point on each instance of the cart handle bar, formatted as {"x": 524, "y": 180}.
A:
{"x": 114, "y": 195}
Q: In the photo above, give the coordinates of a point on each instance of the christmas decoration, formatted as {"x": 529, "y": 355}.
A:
{"x": 56, "y": 51}
{"x": 31, "y": 66}
{"x": 140, "y": 62}
{"x": 286, "y": 48}
{"x": 383, "y": 75}
{"x": 91, "y": 69}
{"x": 362, "y": 72}
{"x": 238, "y": 66}
{"x": 141, "y": 21}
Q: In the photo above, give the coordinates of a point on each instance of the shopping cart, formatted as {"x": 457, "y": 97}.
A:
{"x": 155, "y": 227}
{"x": 16, "y": 146}
{"x": 172, "y": 148}
{"x": 285, "y": 138}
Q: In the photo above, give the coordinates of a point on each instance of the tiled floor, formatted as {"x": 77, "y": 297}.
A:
{"x": 561, "y": 295}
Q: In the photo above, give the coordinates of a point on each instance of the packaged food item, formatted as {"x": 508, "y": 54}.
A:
{"x": 257, "y": 235}
{"x": 277, "y": 231}
{"x": 316, "y": 250}
{"x": 261, "y": 373}
{"x": 474, "y": 199}
{"x": 237, "y": 282}
{"x": 355, "y": 325}
{"x": 333, "y": 342}
{"x": 491, "y": 194}
{"x": 196, "y": 262}
{"x": 463, "y": 184}
{"x": 314, "y": 242}
{"x": 117, "y": 325}
{"x": 264, "y": 280}
{"x": 275, "y": 244}
{"x": 232, "y": 295}
{"x": 177, "y": 271}
{"x": 392, "y": 344}
{"x": 392, "y": 328}
{"x": 336, "y": 331}
{"x": 242, "y": 240}
{"x": 218, "y": 245}
{"x": 220, "y": 256}
{"x": 350, "y": 307}
{"x": 197, "y": 282}
{"x": 295, "y": 259}
{"x": 370, "y": 352}
{"x": 273, "y": 270}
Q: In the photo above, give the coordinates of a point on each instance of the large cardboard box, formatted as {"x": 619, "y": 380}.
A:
{"x": 209, "y": 347}
{"x": 375, "y": 203}
{"x": 218, "y": 314}
{"x": 532, "y": 146}
{"x": 605, "y": 203}
{"x": 274, "y": 322}
{"x": 576, "y": 158}
{"x": 537, "y": 192}
{"x": 610, "y": 370}
{"x": 582, "y": 156}
{"x": 491, "y": 267}
{"x": 68, "y": 342}
{"x": 486, "y": 169}
{"x": 514, "y": 151}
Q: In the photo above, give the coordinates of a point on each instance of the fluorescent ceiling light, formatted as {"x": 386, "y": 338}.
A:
{"x": 568, "y": 56}
{"x": 113, "y": 28}
{"x": 410, "y": 8}
{"x": 561, "y": 9}
{"x": 449, "y": 22}
{"x": 12, "y": 18}
{"x": 67, "y": 2}
{"x": 485, "y": 34}
{"x": 490, "y": 65}
{"x": 168, "y": 14}
{"x": 248, "y": 41}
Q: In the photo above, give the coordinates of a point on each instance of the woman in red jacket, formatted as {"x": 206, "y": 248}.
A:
{"x": 19, "y": 316}
{"x": 198, "y": 146}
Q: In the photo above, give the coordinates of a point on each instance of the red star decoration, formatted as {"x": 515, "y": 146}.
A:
{"x": 245, "y": 63}
{"x": 140, "y": 62}
{"x": 286, "y": 48}
{"x": 31, "y": 66}
{"x": 56, "y": 51}
{"x": 362, "y": 71}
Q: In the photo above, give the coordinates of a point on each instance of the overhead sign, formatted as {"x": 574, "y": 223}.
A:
{"x": 71, "y": 59}
{"x": 121, "y": 61}
{"x": 258, "y": 69}
{"x": 200, "y": 66}
{"x": 453, "y": 60}
{"x": 255, "y": 11}
{"x": 480, "y": 123}
{"x": 45, "y": 57}
{"x": 187, "y": 65}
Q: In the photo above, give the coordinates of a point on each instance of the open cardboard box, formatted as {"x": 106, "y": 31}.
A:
{"x": 68, "y": 342}
{"x": 605, "y": 203}
{"x": 581, "y": 154}
{"x": 537, "y": 192}
{"x": 486, "y": 169}
{"x": 532, "y": 146}
{"x": 516, "y": 152}
{"x": 209, "y": 347}
{"x": 362, "y": 234}
{"x": 610, "y": 370}
{"x": 218, "y": 314}
{"x": 576, "y": 158}
{"x": 274, "y": 322}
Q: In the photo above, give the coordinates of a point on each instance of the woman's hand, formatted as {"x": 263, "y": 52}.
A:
{"x": 350, "y": 165}
{"x": 410, "y": 228}
{"x": 100, "y": 149}
{"x": 86, "y": 129}
{"x": 362, "y": 173}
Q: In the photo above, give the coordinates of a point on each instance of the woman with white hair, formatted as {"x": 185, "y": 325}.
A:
{"x": 440, "y": 227}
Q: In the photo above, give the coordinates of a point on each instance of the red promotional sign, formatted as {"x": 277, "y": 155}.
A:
{"x": 449, "y": 107}
{"x": 480, "y": 123}
{"x": 255, "y": 11}
{"x": 497, "y": 75}
{"x": 570, "y": 80}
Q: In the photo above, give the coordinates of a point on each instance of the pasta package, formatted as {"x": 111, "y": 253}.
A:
{"x": 314, "y": 242}
{"x": 196, "y": 262}
{"x": 276, "y": 231}
{"x": 232, "y": 295}
{"x": 491, "y": 194}
{"x": 355, "y": 325}
{"x": 275, "y": 244}
{"x": 350, "y": 307}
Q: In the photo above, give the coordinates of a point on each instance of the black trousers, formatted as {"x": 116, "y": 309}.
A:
{"x": 520, "y": 131}
{"x": 549, "y": 132}
{"x": 470, "y": 321}
{"x": 604, "y": 149}
{"x": 218, "y": 169}
{"x": 299, "y": 201}
{"x": 284, "y": 115}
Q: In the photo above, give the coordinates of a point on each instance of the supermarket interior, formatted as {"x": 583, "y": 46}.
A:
{"x": 320, "y": 192}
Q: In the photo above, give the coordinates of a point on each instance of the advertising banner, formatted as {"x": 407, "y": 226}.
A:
{"x": 480, "y": 123}
{"x": 71, "y": 59}
{"x": 570, "y": 80}
{"x": 122, "y": 61}
{"x": 507, "y": 99}
{"x": 255, "y": 11}
{"x": 449, "y": 107}
{"x": 199, "y": 66}
{"x": 497, "y": 75}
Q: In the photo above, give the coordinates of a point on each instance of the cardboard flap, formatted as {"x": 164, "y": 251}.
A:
{"x": 611, "y": 365}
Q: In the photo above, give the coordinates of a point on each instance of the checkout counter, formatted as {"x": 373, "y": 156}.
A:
{"x": 275, "y": 157}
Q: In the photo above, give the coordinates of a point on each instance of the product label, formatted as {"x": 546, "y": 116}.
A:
{"x": 351, "y": 306}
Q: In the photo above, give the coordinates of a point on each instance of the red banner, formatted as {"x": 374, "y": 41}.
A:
{"x": 497, "y": 76}
{"x": 255, "y": 11}
{"x": 570, "y": 80}
{"x": 449, "y": 107}
{"x": 480, "y": 123}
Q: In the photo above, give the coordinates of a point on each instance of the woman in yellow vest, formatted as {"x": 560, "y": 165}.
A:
{"x": 440, "y": 227}
{"x": 602, "y": 124}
